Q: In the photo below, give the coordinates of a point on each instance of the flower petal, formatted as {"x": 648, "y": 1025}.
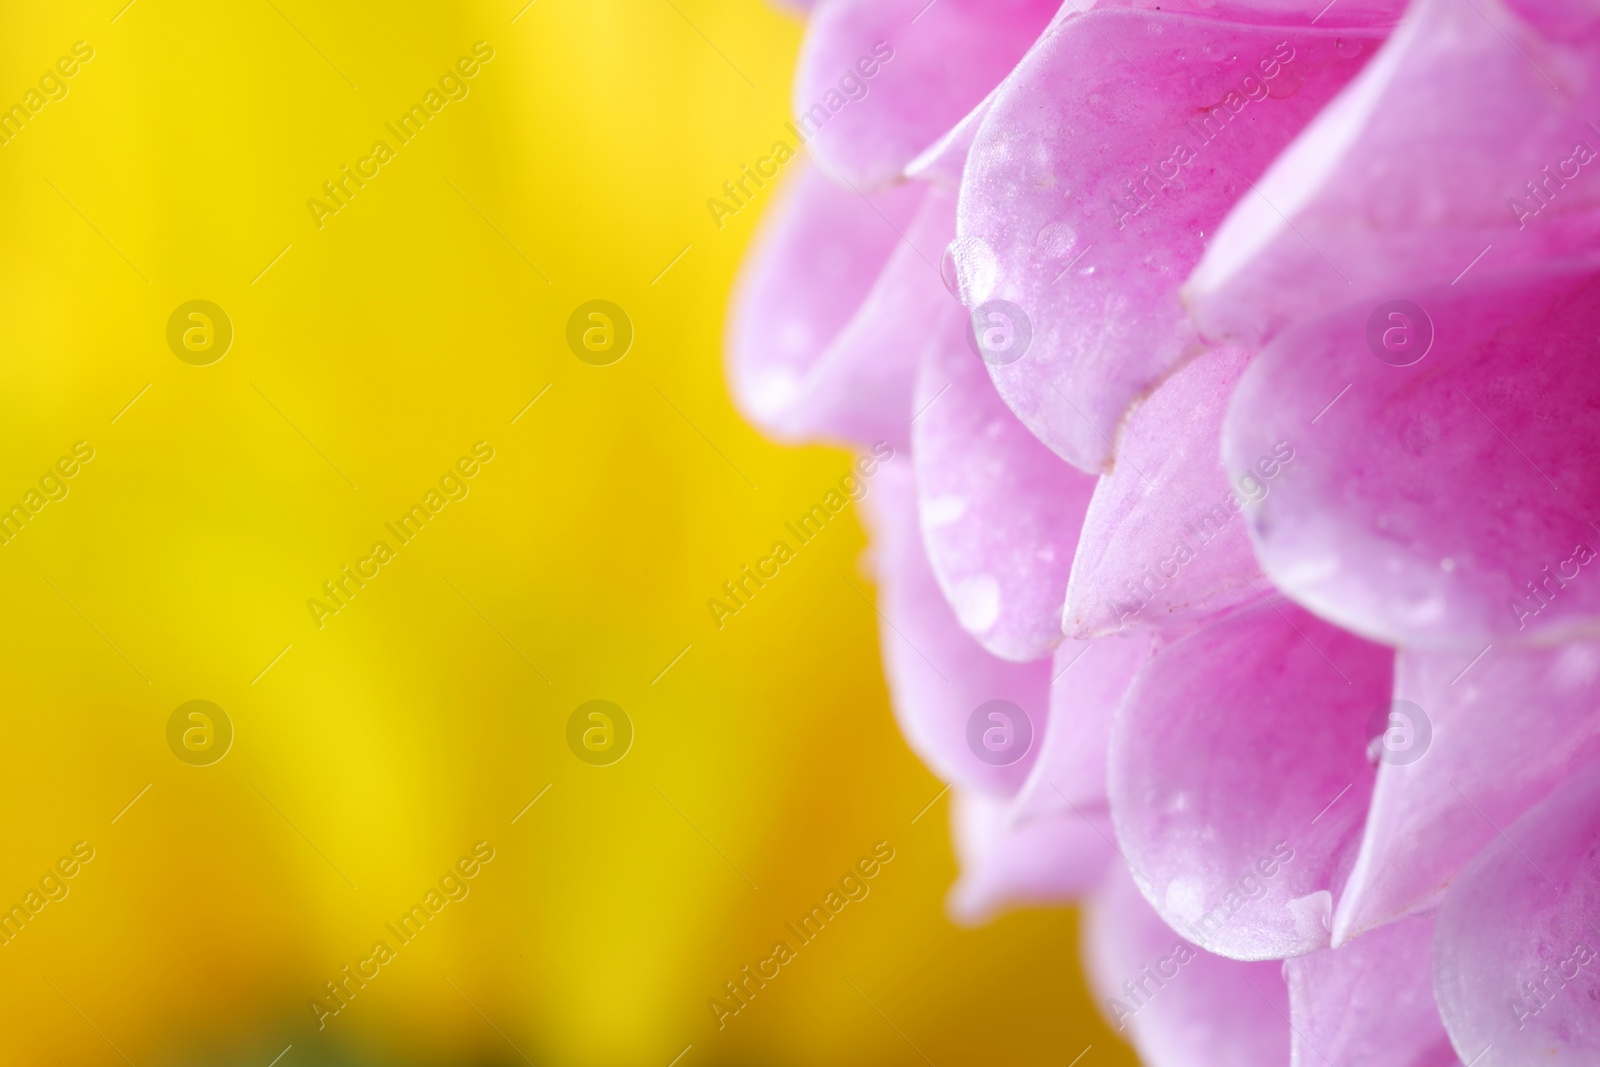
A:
{"x": 1091, "y": 188}
{"x": 1476, "y": 770}
{"x": 1515, "y": 963}
{"x": 1006, "y": 864}
{"x": 1159, "y": 544}
{"x": 830, "y": 313}
{"x": 1370, "y": 1003}
{"x": 1180, "y": 1005}
{"x": 1427, "y": 501}
{"x": 1089, "y": 681}
{"x": 1239, "y": 780}
{"x": 939, "y": 677}
{"x": 1000, "y": 512}
{"x": 1412, "y": 174}
{"x": 929, "y": 65}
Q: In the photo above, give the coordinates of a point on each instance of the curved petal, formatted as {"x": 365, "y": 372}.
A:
{"x": 1447, "y": 503}
{"x": 1006, "y": 864}
{"x": 1459, "y": 141}
{"x": 829, "y": 314}
{"x": 1239, "y": 777}
{"x": 1089, "y": 681}
{"x": 1089, "y": 233}
{"x": 1000, "y": 512}
{"x": 1477, "y": 769}
{"x": 939, "y": 677}
{"x": 1180, "y": 1005}
{"x": 943, "y": 161}
{"x": 1161, "y": 544}
{"x": 1369, "y": 1004}
{"x": 881, "y": 80}
{"x": 1516, "y": 948}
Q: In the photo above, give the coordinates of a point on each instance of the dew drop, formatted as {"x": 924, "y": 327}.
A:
{"x": 947, "y": 269}
{"x": 1348, "y": 47}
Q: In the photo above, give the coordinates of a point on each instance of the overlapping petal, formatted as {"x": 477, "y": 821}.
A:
{"x": 1369, "y": 1004}
{"x": 1516, "y": 949}
{"x": 938, "y": 675}
{"x": 1000, "y": 512}
{"x": 828, "y": 318}
{"x": 1180, "y": 1005}
{"x": 1090, "y": 232}
{"x": 929, "y": 65}
{"x": 1239, "y": 778}
{"x": 1007, "y": 864}
{"x": 1497, "y": 736}
{"x": 1447, "y": 503}
{"x": 1471, "y": 135}
{"x": 1163, "y": 544}
{"x": 1088, "y": 683}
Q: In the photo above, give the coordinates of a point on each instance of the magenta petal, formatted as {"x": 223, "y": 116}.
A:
{"x": 1090, "y": 679}
{"x": 938, "y": 675}
{"x": 1180, "y": 1005}
{"x": 1516, "y": 947}
{"x": 929, "y": 65}
{"x": 1239, "y": 778}
{"x": 1423, "y": 506}
{"x": 823, "y": 336}
{"x": 1000, "y": 512}
{"x": 1162, "y": 543}
{"x": 1430, "y": 817}
{"x": 1052, "y": 222}
{"x": 1414, "y": 172}
{"x": 1370, "y": 1003}
{"x": 1008, "y": 864}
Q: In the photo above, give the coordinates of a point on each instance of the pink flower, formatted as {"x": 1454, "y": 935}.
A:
{"x": 1242, "y": 578}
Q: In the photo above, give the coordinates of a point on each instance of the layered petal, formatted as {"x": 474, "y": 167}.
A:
{"x": 1088, "y": 683}
{"x": 1445, "y": 503}
{"x": 1104, "y": 163}
{"x": 1162, "y": 543}
{"x": 1180, "y": 1005}
{"x": 1369, "y": 1004}
{"x": 1000, "y": 512}
{"x": 881, "y": 80}
{"x": 1516, "y": 948}
{"x": 831, "y": 310}
{"x": 1239, "y": 778}
{"x": 943, "y": 684}
{"x": 1005, "y": 864}
{"x": 1470, "y": 136}
{"x": 1496, "y": 738}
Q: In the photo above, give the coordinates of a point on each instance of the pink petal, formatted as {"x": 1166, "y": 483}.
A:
{"x": 1000, "y": 512}
{"x": 930, "y": 64}
{"x": 1089, "y": 681}
{"x": 1360, "y": 13}
{"x": 1005, "y": 864}
{"x": 1180, "y": 1005}
{"x": 1370, "y": 1003}
{"x": 1162, "y": 544}
{"x": 1430, "y": 817}
{"x": 1239, "y": 777}
{"x": 1408, "y": 178}
{"x": 1423, "y": 504}
{"x": 1049, "y": 221}
{"x": 824, "y": 332}
{"x": 939, "y": 677}
{"x": 1516, "y": 949}
{"x": 943, "y": 161}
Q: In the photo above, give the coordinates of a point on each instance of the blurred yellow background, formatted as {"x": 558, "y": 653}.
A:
{"x": 370, "y": 754}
